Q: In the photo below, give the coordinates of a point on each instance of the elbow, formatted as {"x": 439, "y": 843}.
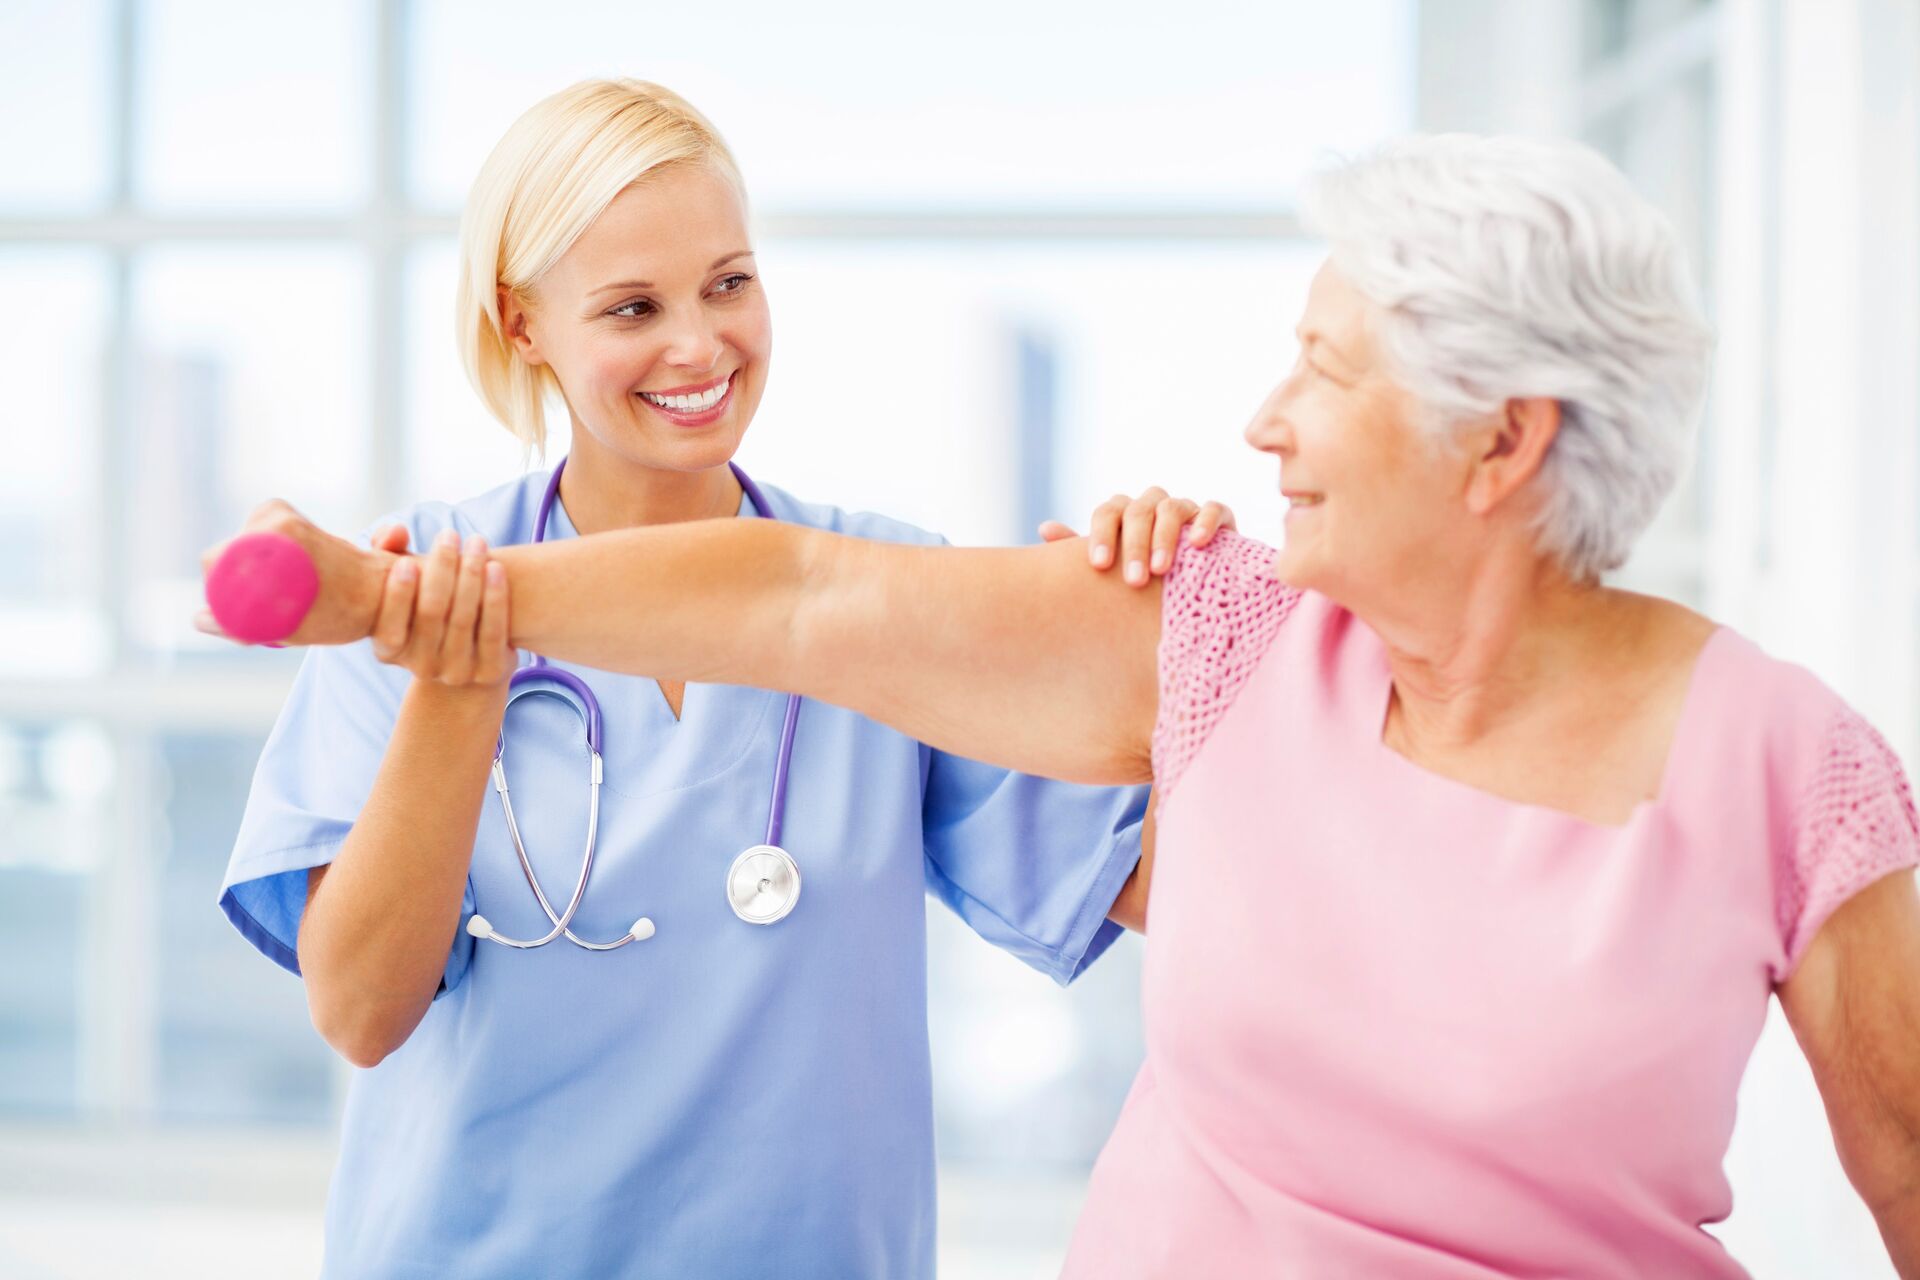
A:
{"x": 360, "y": 1044}
{"x": 363, "y": 1037}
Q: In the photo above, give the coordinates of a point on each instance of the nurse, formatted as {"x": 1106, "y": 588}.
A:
{"x": 720, "y": 1097}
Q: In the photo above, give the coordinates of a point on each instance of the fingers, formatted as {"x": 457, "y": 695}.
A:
{"x": 1168, "y": 519}
{"x": 463, "y": 615}
{"x": 392, "y": 537}
{"x": 443, "y": 616}
{"x": 496, "y": 659}
{"x": 393, "y": 625}
{"x": 205, "y": 624}
{"x": 1103, "y": 530}
{"x": 1213, "y": 517}
{"x": 1054, "y": 531}
{"x": 1136, "y": 534}
{"x": 439, "y": 572}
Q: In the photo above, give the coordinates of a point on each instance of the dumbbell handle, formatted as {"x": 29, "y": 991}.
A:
{"x": 261, "y": 587}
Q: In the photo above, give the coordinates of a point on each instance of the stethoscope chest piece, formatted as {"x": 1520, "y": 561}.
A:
{"x": 763, "y": 884}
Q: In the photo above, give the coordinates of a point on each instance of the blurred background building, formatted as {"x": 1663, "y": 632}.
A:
{"x": 1053, "y": 246}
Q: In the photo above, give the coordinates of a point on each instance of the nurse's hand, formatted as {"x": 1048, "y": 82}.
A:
{"x": 443, "y": 615}
{"x": 1146, "y": 529}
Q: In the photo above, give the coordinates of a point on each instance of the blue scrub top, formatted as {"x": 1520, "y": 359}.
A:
{"x": 723, "y": 1099}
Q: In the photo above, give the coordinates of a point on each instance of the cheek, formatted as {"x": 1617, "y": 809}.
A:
{"x": 618, "y": 363}
{"x": 750, "y": 331}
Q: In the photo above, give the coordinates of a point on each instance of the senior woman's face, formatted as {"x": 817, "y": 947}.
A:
{"x": 1369, "y": 495}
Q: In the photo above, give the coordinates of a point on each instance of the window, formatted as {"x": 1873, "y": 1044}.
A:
{"x": 1059, "y": 265}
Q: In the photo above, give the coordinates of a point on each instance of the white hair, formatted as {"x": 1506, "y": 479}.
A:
{"x": 1511, "y": 268}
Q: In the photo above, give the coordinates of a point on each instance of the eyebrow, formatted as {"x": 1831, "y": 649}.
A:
{"x": 644, "y": 284}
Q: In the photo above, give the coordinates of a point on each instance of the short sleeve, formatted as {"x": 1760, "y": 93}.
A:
{"x": 1219, "y": 612}
{"x": 313, "y": 777}
{"x": 1032, "y": 866}
{"x": 1856, "y": 825}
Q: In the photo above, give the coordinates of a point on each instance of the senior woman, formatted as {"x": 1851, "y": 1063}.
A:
{"x": 1475, "y": 873}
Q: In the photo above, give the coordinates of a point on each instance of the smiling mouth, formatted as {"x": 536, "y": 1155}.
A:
{"x": 1298, "y": 500}
{"x": 692, "y": 402}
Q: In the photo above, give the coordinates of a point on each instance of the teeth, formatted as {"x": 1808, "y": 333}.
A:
{"x": 690, "y": 404}
{"x": 1306, "y": 500}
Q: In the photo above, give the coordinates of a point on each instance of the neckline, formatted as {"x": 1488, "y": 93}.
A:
{"x": 562, "y": 523}
{"x": 1674, "y": 761}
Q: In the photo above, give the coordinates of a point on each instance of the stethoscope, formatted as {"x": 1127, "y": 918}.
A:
{"x": 764, "y": 881}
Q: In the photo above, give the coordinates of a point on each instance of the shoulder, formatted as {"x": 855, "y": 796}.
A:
{"x": 1224, "y": 591}
{"x": 857, "y": 524}
{"x": 1221, "y": 612}
{"x": 1780, "y": 706}
{"x": 1840, "y": 806}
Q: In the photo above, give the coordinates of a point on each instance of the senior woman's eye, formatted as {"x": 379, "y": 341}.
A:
{"x": 733, "y": 283}
{"x": 638, "y": 309}
{"x": 1322, "y": 370}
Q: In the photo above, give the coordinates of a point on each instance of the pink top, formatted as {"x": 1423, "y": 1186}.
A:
{"x": 1397, "y": 1026}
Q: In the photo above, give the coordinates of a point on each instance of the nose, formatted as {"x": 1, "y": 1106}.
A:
{"x": 694, "y": 341}
{"x": 1269, "y": 431}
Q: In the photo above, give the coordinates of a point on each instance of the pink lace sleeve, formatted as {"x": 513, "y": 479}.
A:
{"x": 1856, "y": 825}
{"x": 1218, "y": 613}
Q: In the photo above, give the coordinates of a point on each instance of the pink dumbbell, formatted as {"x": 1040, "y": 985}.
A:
{"x": 261, "y": 587}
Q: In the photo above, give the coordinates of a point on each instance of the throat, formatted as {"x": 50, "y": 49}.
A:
{"x": 675, "y": 692}
{"x": 599, "y": 502}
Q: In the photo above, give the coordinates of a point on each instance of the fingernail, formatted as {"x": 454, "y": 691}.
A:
{"x": 407, "y": 569}
{"x": 476, "y": 545}
{"x": 448, "y": 540}
{"x": 1136, "y": 572}
{"x": 1102, "y": 555}
{"x": 496, "y": 573}
{"x": 1159, "y": 561}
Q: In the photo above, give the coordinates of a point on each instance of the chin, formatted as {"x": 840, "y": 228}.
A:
{"x": 1292, "y": 568}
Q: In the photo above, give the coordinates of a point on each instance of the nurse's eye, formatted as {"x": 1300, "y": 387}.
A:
{"x": 638, "y": 309}
{"x": 733, "y": 283}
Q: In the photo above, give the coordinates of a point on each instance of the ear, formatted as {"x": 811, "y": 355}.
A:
{"x": 513, "y": 323}
{"x": 1512, "y": 451}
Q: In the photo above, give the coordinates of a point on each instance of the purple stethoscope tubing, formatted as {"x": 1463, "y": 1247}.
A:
{"x": 538, "y": 676}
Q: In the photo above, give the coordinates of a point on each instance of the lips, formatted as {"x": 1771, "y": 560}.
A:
{"x": 694, "y": 406}
{"x": 694, "y": 399}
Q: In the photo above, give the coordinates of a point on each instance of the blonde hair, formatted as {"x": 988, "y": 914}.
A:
{"x": 556, "y": 169}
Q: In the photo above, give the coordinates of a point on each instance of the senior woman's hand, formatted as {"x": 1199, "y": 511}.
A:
{"x": 1146, "y": 529}
{"x": 351, "y": 578}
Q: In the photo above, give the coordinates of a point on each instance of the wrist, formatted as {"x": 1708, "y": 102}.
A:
{"x": 479, "y": 699}
{"x": 366, "y": 587}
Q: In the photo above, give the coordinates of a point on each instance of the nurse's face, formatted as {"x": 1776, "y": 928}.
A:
{"x": 655, "y": 324}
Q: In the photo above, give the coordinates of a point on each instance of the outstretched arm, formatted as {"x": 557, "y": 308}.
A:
{"x": 1017, "y": 657}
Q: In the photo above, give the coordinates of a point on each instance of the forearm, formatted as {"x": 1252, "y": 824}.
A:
{"x": 379, "y": 922}
{"x": 1899, "y": 1222}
